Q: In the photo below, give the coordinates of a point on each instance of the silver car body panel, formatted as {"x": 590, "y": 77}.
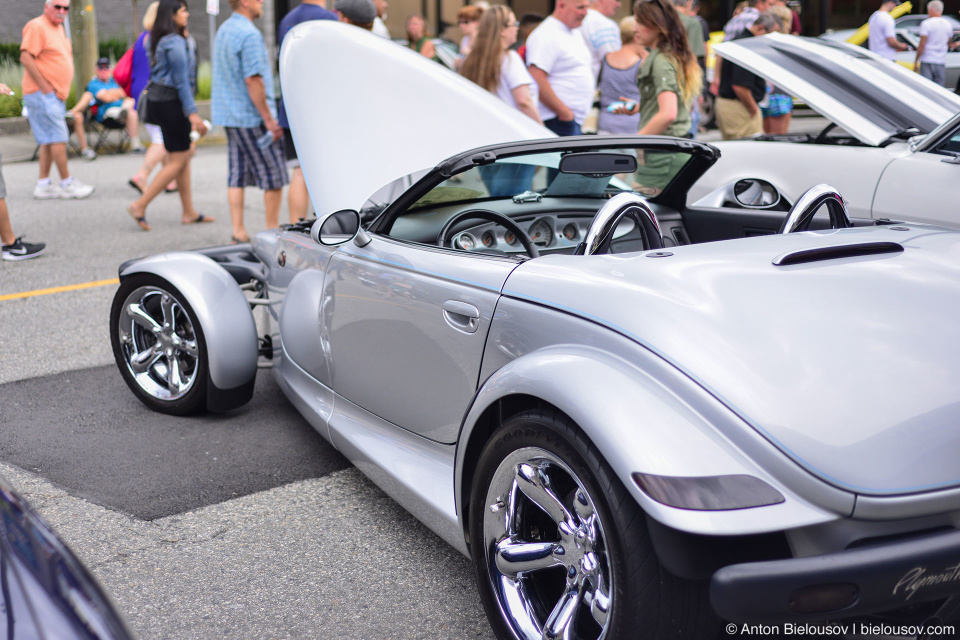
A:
{"x": 423, "y": 123}
{"x": 218, "y": 302}
{"x": 762, "y": 351}
{"x": 430, "y": 310}
{"x": 793, "y": 168}
{"x": 870, "y": 97}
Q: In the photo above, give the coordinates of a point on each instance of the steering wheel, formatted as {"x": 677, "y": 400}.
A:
{"x": 446, "y": 233}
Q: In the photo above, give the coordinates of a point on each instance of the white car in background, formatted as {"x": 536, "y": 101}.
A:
{"x": 892, "y": 147}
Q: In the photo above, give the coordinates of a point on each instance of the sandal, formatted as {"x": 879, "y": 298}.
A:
{"x": 200, "y": 219}
{"x": 136, "y": 186}
{"x": 140, "y": 220}
{"x": 236, "y": 240}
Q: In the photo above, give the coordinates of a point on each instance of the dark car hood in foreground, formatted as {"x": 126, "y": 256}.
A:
{"x": 869, "y": 97}
{"x": 850, "y": 366}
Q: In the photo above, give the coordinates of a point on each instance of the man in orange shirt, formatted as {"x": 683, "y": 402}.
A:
{"x": 47, "y": 59}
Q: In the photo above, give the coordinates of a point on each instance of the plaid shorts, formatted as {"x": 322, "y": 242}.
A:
{"x": 252, "y": 166}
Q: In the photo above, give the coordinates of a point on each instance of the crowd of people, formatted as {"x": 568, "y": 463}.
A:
{"x": 647, "y": 70}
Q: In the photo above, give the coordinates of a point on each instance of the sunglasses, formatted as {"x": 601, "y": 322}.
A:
{"x": 467, "y": 21}
{"x": 60, "y": 7}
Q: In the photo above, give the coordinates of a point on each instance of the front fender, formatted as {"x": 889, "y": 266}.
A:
{"x": 225, "y": 318}
{"x": 639, "y": 425}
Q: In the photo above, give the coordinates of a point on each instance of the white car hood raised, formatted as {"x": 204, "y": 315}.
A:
{"x": 365, "y": 111}
{"x": 868, "y": 96}
{"x": 850, "y": 366}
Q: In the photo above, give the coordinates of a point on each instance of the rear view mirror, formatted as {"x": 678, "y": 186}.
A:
{"x": 598, "y": 164}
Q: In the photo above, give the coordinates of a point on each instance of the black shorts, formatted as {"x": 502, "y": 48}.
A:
{"x": 176, "y": 127}
{"x": 290, "y": 151}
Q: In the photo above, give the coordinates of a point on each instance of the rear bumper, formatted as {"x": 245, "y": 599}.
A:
{"x": 862, "y": 581}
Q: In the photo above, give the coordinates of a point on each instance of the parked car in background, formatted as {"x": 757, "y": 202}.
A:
{"x": 45, "y": 592}
{"x": 635, "y": 417}
{"x": 891, "y": 146}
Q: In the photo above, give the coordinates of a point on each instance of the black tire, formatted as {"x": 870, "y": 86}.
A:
{"x": 151, "y": 327}
{"x": 543, "y": 450}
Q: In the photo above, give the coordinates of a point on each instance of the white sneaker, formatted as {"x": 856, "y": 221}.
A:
{"x": 75, "y": 190}
{"x": 47, "y": 192}
{"x": 88, "y": 154}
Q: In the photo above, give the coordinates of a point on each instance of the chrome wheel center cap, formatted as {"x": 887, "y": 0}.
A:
{"x": 575, "y": 552}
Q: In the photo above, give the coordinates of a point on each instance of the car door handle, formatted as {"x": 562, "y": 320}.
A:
{"x": 461, "y": 316}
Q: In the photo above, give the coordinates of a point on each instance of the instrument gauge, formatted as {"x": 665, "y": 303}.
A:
{"x": 541, "y": 233}
{"x": 488, "y": 239}
{"x": 510, "y": 238}
{"x": 570, "y": 231}
{"x": 466, "y": 242}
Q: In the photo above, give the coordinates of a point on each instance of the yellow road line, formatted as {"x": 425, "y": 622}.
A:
{"x": 69, "y": 287}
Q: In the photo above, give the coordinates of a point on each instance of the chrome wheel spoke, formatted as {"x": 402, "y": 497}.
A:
{"x": 599, "y": 601}
{"x": 142, "y": 362}
{"x": 514, "y": 558}
{"x": 189, "y": 347}
{"x": 583, "y": 507}
{"x": 564, "y": 616}
{"x": 174, "y": 381}
{"x": 168, "y": 305}
{"x": 142, "y": 318}
{"x": 535, "y": 484}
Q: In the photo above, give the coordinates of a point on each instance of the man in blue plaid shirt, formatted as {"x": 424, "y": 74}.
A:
{"x": 243, "y": 102}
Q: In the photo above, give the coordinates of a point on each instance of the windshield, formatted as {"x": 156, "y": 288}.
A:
{"x": 537, "y": 175}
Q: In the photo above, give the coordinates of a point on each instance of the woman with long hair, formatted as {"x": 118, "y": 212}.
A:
{"x": 170, "y": 105}
{"x": 670, "y": 78}
{"x": 495, "y": 67}
{"x": 417, "y": 38}
{"x": 139, "y": 77}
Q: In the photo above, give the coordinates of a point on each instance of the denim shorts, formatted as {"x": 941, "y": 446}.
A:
{"x": 47, "y": 115}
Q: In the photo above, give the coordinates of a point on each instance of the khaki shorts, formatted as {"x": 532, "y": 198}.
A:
{"x": 735, "y": 121}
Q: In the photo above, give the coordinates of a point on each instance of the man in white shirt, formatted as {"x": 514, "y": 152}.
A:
{"x": 601, "y": 34}
{"x": 379, "y": 28}
{"x": 560, "y": 63}
{"x": 883, "y": 34}
{"x": 935, "y": 34}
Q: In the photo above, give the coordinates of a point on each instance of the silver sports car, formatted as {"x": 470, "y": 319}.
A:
{"x": 638, "y": 417}
{"x": 891, "y": 147}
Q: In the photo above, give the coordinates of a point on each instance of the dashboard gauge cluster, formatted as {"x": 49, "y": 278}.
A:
{"x": 550, "y": 232}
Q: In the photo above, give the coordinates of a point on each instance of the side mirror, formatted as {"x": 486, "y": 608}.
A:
{"x": 338, "y": 228}
{"x": 752, "y": 193}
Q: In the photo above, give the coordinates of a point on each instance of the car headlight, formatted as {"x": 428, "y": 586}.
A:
{"x": 709, "y": 493}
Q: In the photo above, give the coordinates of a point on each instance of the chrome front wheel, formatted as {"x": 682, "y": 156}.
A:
{"x": 561, "y": 549}
{"x": 158, "y": 345}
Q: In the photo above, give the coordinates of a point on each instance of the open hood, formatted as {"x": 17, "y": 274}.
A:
{"x": 870, "y": 97}
{"x": 365, "y": 111}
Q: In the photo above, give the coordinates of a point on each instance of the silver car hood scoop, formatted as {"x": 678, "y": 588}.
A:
{"x": 869, "y": 400}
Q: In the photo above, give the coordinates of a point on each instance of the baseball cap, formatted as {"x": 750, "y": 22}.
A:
{"x": 359, "y": 11}
{"x": 103, "y": 63}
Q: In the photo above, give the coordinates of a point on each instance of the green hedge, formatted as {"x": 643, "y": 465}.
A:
{"x": 9, "y": 52}
{"x": 113, "y": 48}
